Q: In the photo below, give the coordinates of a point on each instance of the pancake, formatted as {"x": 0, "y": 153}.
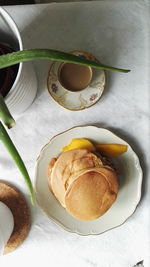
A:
{"x": 92, "y": 194}
{"x": 82, "y": 183}
{"x": 67, "y": 165}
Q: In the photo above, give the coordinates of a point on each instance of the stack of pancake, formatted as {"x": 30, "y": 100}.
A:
{"x": 83, "y": 184}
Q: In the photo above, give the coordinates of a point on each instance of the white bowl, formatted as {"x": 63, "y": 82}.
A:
{"x": 130, "y": 180}
{"x": 24, "y": 89}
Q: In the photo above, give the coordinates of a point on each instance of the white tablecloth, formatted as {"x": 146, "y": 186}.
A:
{"x": 117, "y": 32}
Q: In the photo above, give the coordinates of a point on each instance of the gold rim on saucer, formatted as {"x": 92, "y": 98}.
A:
{"x": 81, "y": 99}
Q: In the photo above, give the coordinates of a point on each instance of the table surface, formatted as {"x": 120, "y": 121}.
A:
{"x": 117, "y": 33}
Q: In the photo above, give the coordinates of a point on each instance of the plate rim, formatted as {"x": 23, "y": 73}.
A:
{"x": 58, "y": 222}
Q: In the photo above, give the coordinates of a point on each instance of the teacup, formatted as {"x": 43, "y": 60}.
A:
{"x": 74, "y": 77}
{"x": 6, "y": 225}
{"x": 24, "y": 87}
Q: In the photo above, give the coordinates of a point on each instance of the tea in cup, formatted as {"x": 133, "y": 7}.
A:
{"x": 74, "y": 77}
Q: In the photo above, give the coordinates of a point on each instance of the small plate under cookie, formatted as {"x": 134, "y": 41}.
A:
{"x": 81, "y": 99}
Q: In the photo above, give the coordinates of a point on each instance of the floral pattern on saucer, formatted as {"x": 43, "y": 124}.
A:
{"x": 76, "y": 100}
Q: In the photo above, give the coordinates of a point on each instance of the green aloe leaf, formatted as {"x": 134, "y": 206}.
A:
{"x": 5, "y": 115}
{"x": 4, "y": 137}
{"x": 49, "y": 54}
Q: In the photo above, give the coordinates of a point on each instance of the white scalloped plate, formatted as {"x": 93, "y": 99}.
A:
{"x": 130, "y": 181}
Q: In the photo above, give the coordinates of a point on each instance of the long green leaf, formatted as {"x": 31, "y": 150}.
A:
{"x": 4, "y": 137}
{"x": 49, "y": 54}
{"x": 5, "y": 115}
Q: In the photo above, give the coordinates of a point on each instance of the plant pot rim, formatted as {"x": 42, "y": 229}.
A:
{"x": 16, "y": 32}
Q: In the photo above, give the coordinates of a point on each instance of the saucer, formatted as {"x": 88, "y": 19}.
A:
{"x": 81, "y": 99}
{"x": 130, "y": 181}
